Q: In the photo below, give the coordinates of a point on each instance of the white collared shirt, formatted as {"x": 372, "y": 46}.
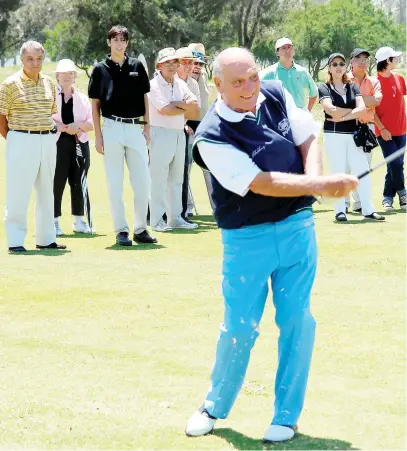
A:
{"x": 234, "y": 169}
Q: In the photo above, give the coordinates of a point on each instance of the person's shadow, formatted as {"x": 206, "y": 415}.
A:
{"x": 299, "y": 442}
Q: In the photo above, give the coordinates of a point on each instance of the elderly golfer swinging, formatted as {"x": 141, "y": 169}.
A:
{"x": 262, "y": 153}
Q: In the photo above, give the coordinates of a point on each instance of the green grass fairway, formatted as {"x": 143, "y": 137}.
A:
{"x": 107, "y": 348}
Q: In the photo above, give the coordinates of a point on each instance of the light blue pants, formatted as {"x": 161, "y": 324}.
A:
{"x": 287, "y": 252}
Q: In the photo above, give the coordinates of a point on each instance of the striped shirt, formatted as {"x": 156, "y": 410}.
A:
{"x": 28, "y": 105}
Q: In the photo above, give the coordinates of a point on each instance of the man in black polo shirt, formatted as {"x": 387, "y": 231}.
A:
{"x": 118, "y": 88}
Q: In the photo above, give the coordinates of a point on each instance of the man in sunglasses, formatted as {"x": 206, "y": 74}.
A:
{"x": 170, "y": 102}
{"x": 295, "y": 78}
{"x": 200, "y": 75}
{"x": 371, "y": 91}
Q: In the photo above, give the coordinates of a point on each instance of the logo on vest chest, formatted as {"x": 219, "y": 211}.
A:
{"x": 284, "y": 126}
{"x": 258, "y": 150}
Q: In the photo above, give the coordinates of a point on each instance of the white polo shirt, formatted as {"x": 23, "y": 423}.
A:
{"x": 162, "y": 94}
{"x": 234, "y": 169}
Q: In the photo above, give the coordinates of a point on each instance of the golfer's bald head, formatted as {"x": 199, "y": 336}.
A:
{"x": 232, "y": 58}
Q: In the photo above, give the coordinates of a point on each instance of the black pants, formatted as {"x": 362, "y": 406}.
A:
{"x": 187, "y": 162}
{"x": 67, "y": 169}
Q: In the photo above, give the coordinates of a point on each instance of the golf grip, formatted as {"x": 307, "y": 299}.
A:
{"x": 387, "y": 160}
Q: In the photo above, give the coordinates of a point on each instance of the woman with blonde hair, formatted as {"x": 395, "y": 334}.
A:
{"x": 74, "y": 121}
{"x": 343, "y": 105}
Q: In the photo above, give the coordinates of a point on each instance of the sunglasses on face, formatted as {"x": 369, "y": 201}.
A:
{"x": 198, "y": 64}
{"x": 186, "y": 62}
{"x": 362, "y": 60}
{"x": 342, "y": 64}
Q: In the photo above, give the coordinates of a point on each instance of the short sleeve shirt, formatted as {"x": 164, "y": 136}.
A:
{"x": 297, "y": 80}
{"x": 370, "y": 86}
{"x": 392, "y": 109}
{"x": 120, "y": 89}
{"x": 328, "y": 91}
{"x": 162, "y": 94}
{"x": 28, "y": 104}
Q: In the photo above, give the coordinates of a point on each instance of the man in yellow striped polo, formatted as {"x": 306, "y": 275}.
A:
{"x": 27, "y": 101}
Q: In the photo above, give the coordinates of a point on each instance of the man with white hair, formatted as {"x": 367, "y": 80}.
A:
{"x": 265, "y": 163}
{"x": 27, "y": 102}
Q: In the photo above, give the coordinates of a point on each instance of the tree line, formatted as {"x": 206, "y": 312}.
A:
{"x": 77, "y": 29}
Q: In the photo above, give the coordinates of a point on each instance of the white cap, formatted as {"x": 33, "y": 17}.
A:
{"x": 386, "y": 52}
{"x": 283, "y": 41}
{"x": 66, "y": 65}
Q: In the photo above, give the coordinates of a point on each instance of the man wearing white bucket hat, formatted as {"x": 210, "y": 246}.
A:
{"x": 74, "y": 121}
{"x": 170, "y": 102}
{"x": 27, "y": 102}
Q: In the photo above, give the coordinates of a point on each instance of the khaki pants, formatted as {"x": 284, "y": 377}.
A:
{"x": 126, "y": 142}
{"x": 30, "y": 163}
{"x": 167, "y": 157}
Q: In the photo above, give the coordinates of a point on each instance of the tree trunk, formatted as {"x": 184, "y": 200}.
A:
{"x": 2, "y": 61}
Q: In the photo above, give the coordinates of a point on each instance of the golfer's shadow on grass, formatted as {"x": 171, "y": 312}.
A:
{"x": 43, "y": 252}
{"x": 83, "y": 236}
{"x": 299, "y": 442}
{"x": 135, "y": 247}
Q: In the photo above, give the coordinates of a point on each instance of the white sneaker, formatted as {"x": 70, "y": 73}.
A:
{"x": 276, "y": 433}
{"x": 180, "y": 223}
{"x": 161, "y": 227}
{"x": 81, "y": 227}
{"x": 199, "y": 424}
{"x": 58, "y": 229}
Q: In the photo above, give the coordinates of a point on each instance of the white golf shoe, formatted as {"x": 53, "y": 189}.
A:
{"x": 199, "y": 424}
{"x": 276, "y": 433}
{"x": 81, "y": 227}
{"x": 58, "y": 230}
{"x": 180, "y": 223}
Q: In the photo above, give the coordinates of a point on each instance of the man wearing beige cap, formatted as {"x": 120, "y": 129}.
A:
{"x": 27, "y": 102}
{"x": 198, "y": 50}
{"x": 295, "y": 78}
{"x": 170, "y": 103}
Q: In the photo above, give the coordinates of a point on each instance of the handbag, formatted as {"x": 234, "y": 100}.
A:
{"x": 364, "y": 137}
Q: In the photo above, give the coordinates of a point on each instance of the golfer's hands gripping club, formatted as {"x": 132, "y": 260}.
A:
{"x": 336, "y": 185}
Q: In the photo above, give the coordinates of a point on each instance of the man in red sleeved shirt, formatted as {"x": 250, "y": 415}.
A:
{"x": 390, "y": 121}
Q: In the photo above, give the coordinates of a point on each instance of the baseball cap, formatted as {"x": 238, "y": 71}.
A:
{"x": 283, "y": 41}
{"x": 332, "y": 56}
{"x": 66, "y": 65}
{"x": 358, "y": 52}
{"x": 386, "y": 52}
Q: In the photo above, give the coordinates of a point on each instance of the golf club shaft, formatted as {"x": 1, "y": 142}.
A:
{"x": 387, "y": 160}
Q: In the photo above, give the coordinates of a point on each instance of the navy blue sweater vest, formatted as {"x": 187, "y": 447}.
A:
{"x": 268, "y": 141}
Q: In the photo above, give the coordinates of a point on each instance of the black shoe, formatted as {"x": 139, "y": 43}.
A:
{"x": 357, "y": 210}
{"x": 341, "y": 217}
{"x": 17, "y": 249}
{"x": 375, "y": 217}
{"x": 52, "y": 246}
{"x": 122, "y": 239}
{"x": 144, "y": 238}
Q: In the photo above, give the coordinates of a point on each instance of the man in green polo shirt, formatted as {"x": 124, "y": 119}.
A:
{"x": 295, "y": 78}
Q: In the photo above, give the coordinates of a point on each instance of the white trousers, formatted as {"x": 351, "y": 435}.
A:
{"x": 30, "y": 163}
{"x": 342, "y": 152}
{"x": 167, "y": 158}
{"x": 355, "y": 195}
{"x": 126, "y": 142}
